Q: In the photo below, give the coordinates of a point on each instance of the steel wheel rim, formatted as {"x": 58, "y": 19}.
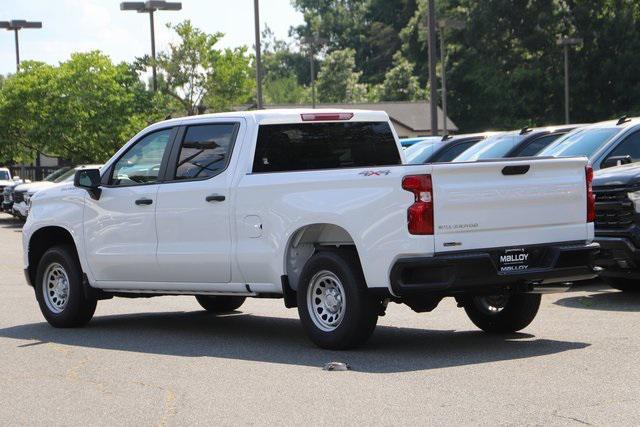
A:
{"x": 492, "y": 304}
{"x": 326, "y": 300}
{"x": 55, "y": 288}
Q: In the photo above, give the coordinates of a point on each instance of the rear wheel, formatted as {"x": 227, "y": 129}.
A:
{"x": 503, "y": 314}
{"x": 334, "y": 305}
{"x": 220, "y": 304}
{"x": 60, "y": 291}
{"x": 623, "y": 284}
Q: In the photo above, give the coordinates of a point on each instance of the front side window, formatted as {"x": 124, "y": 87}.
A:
{"x": 4, "y": 176}
{"x": 537, "y": 145}
{"x": 205, "y": 150}
{"x": 629, "y": 147}
{"x": 310, "y": 146}
{"x": 451, "y": 153}
{"x": 141, "y": 163}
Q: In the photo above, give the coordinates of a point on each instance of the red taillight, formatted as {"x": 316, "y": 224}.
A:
{"x": 325, "y": 117}
{"x": 591, "y": 199}
{"x": 420, "y": 213}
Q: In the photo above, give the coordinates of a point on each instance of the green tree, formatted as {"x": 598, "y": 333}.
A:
{"x": 504, "y": 68}
{"x": 604, "y": 77}
{"x": 82, "y": 110}
{"x": 200, "y": 76}
{"x": 370, "y": 27}
{"x": 400, "y": 84}
{"x": 285, "y": 72}
{"x": 338, "y": 80}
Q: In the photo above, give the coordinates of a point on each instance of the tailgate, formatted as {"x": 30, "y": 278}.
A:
{"x": 509, "y": 203}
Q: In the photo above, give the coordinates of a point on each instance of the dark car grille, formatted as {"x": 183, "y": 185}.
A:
{"x": 18, "y": 196}
{"x": 614, "y": 209}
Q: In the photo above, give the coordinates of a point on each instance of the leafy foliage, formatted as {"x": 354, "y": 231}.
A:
{"x": 400, "y": 83}
{"x": 82, "y": 110}
{"x": 199, "y": 76}
{"x": 338, "y": 80}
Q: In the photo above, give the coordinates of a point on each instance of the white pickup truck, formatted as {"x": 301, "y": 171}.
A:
{"x": 315, "y": 207}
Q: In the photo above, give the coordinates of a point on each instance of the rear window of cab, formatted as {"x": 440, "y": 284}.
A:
{"x": 312, "y": 146}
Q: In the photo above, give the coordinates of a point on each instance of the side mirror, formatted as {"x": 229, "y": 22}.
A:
{"x": 89, "y": 179}
{"x": 16, "y": 178}
{"x": 616, "y": 161}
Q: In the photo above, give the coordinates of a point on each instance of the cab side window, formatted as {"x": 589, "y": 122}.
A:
{"x": 452, "y": 152}
{"x": 537, "y": 145}
{"x": 141, "y": 163}
{"x": 205, "y": 150}
{"x": 629, "y": 147}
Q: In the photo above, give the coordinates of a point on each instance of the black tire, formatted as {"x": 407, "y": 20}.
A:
{"x": 623, "y": 284}
{"x": 358, "y": 308}
{"x": 517, "y": 312}
{"x": 220, "y": 304}
{"x": 78, "y": 308}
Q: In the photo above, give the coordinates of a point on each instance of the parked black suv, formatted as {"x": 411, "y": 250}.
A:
{"x": 617, "y": 226}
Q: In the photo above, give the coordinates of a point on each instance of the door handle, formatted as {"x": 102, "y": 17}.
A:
{"x": 215, "y": 198}
{"x": 140, "y": 202}
{"x": 515, "y": 170}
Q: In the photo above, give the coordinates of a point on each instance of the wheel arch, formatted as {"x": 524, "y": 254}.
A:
{"x": 43, "y": 239}
{"x": 309, "y": 239}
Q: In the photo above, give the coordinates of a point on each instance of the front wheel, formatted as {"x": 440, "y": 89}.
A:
{"x": 503, "y": 314}
{"x": 623, "y": 284}
{"x": 334, "y": 305}
{"x": 220, "y": 304}
{"x": 60, "y": 291}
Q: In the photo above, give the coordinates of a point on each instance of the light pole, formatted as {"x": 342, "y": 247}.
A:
{"x": 150, "y": 7}
{"x": 16, "y": 25}
{"x": 565, "y": 42}
{"x": 433, "y": 86}
{"x": 312, "y": 42}
{"x": 256, "y": 19}
{"x": 444, "y": 24}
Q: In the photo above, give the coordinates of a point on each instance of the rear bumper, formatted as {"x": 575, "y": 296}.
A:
{"x": 477, "y": 272}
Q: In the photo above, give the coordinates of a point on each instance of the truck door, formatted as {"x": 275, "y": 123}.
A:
{"x": 193, "y": 210}
{"x": 120, "y": 227}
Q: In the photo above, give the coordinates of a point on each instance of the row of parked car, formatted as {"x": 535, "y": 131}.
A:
{"x": 612, "y": 148}
{"x": 17, "y": 192}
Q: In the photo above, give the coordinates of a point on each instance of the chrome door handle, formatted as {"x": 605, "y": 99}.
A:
{"x": 215, "y": 198}
{"x": 140, "y": 202}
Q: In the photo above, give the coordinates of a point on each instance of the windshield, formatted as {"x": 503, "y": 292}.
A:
{"x": 67, "y": 176}
{"x": 420, "y": 152}
{"x": 55, "y": 174}
{"x": 494, "y": 147}
{"x": 5, "y": 176}
{"x": 582, "y": 142}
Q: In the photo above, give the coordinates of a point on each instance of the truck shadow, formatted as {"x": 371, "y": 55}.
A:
{"x": 281, "y": 340}
{"x": 606, "y": 299}
{"x": 9, "y": 222}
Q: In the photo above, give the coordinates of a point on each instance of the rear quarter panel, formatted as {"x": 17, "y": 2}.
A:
{"x": 368, "y": 203}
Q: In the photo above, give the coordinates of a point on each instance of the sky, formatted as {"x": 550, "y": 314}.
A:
{"x": 82, "y": 25}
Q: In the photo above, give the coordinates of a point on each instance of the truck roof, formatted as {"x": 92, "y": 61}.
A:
{"x": 288, "y": 115}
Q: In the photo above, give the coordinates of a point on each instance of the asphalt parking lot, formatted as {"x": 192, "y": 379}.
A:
{"x": 164, "y": 361}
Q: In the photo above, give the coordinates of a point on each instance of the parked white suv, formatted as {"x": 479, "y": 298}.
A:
{"x": 313, "y": 206}
{"x": 23, "y": 193}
